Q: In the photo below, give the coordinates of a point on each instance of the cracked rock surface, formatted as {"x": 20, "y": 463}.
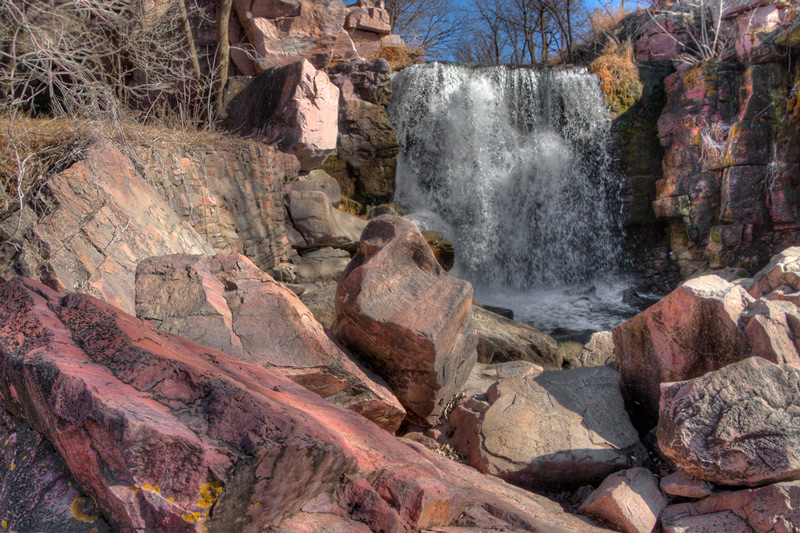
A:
{"x": 563, "y": 428}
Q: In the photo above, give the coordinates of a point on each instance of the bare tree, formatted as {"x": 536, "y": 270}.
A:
{"x": 430, "y": 25}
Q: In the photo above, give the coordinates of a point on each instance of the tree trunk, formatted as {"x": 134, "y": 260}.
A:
{"x": 223, "y": 52}
{"x": 187, "y": 31}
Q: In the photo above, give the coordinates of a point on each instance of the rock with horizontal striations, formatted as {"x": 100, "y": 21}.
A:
{"x": 294, "y": 106}
{"x": 629, "y": 499}
{"x": 407, "y": 318}
{"x": 225, "y": 302}
{"x": 737, "y": 426}
{"x": 767, "y": 509}
{"x": 548, "y": 431}
{"x": 501, "y": 340}
{"x": 693, "y": 330}
{"x": 168, "y": 435}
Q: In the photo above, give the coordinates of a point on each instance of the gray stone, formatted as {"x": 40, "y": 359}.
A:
{"x": 598, "y": 351}
{"x": 501, "y": 340}
{"x": 738, "y": 426}
{"x": 548, "y": 431}
{"x": 319, "y": 223}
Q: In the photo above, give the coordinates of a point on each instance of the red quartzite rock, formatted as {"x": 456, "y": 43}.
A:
{"x": 770, "y": 509}
{"x": 552, "y": 430}
{"x": 168, "y": 435}
{"x": 225, "y": 302}
{"x": 683, "y": 485}
{"x": 738, "y": 426}
{"x": 691, "y": 331}
{"x": 782, "y": 270}
{"x": 629, "y": 499}
{"x": 37, "y": 492}
{"x": 295, "y": 106}
{"x": 407, "y": 318}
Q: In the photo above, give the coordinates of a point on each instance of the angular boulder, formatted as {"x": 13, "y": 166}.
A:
{"x": 319, "y": 223}
{"x": 295, "y": 106}
{"x": 782, "y": 270}
{"x": 548, "y": 431}
{"x": 767, "y": 509}
{"x": 693, "y": 330}
{"x": 737, "y": 426}
{"x": 226, "y": 303}
{"x": 407, "y": 318}
{"x": 168, "y": 435}
{"x": 285, "y": 31}
{"x": 629, "y": 499}
{"x": 501, "y": 340}
{"x": 320, "y": 266}
{"x": 317, "y": 180}
{"x": 598, "y": 351}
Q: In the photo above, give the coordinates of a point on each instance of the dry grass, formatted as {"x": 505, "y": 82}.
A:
{"x": 605, "y": 22}
{"x": 619, "y": 76}
{"x": 399, "y": 57}
{"x": 33, "y": 149}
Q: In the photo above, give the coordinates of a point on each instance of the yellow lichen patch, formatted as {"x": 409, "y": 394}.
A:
{"x": 93, "y": 530}
{"x": 192, "y": 518}
{"x": 171, "y": 500}
{"x": 4, "y": 523}
{"x": 152, "y": 488}
{"x": 256, "y": 504}
{"x": 13, "y": 467}
{"x": 134, "y": 489}
{"x": 209, "y": 492}
{"x": 24, "y": 457}
{"x": 81, "y": 508}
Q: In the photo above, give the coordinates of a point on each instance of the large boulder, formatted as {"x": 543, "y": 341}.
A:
{"x": 407, "y": 318}
{"x": 321, "y": 224}
{"x": 501, "y": 340}
{"x": 738, "y": 426}
{"x": 548, "y": 431}
{"x": 226, "y": 303}
{"x": 598, "y": 351}
{"x": 168, "y": 435}
{"x": 295, "y": 106}
{"x": 629, "y": 499}
{"x": 285, "y": 31}
{"x": 693, "y": 330}
{"x": 782, "y": 270}
{"x": 767, "y": 509}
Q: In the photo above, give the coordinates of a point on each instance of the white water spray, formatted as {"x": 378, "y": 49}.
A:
{"x": 514, "y": 166}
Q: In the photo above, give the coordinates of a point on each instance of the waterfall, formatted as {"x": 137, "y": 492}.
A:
{"x": 514, "y": 166}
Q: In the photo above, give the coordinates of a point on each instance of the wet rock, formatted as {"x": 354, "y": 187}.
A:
{"x": 685, "y": 486}
{"x": 598, "y": 351}
{"x": 168, "y": 435}
{"x": 319, "y": 223}
{"x": 629, "y": 499}
{"x": 407, "y": 319}
{"x": 762, "y": 510}
{"x": 228, "y": 304}
{"x": 693, "y": 330}
{"x": 442, "y": 249}
{"x": 501, "y": 340}
{"x": 548, "y": 431}
{"x": 736, "y": 426}
{"x": 294, "y": 106}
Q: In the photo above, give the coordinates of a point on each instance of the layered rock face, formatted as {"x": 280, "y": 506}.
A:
{"x": 165, "y": 434}
{"x": 90, "y": 225}
{"x": 227, "y": 303}
{"x": 407, "y": 319}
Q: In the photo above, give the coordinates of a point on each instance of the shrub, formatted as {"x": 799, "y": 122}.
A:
{"x": 399, "y": 57}
{"x": 619, "y": 77}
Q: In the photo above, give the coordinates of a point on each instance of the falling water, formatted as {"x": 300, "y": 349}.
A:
{"x": 514, "y": 166}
